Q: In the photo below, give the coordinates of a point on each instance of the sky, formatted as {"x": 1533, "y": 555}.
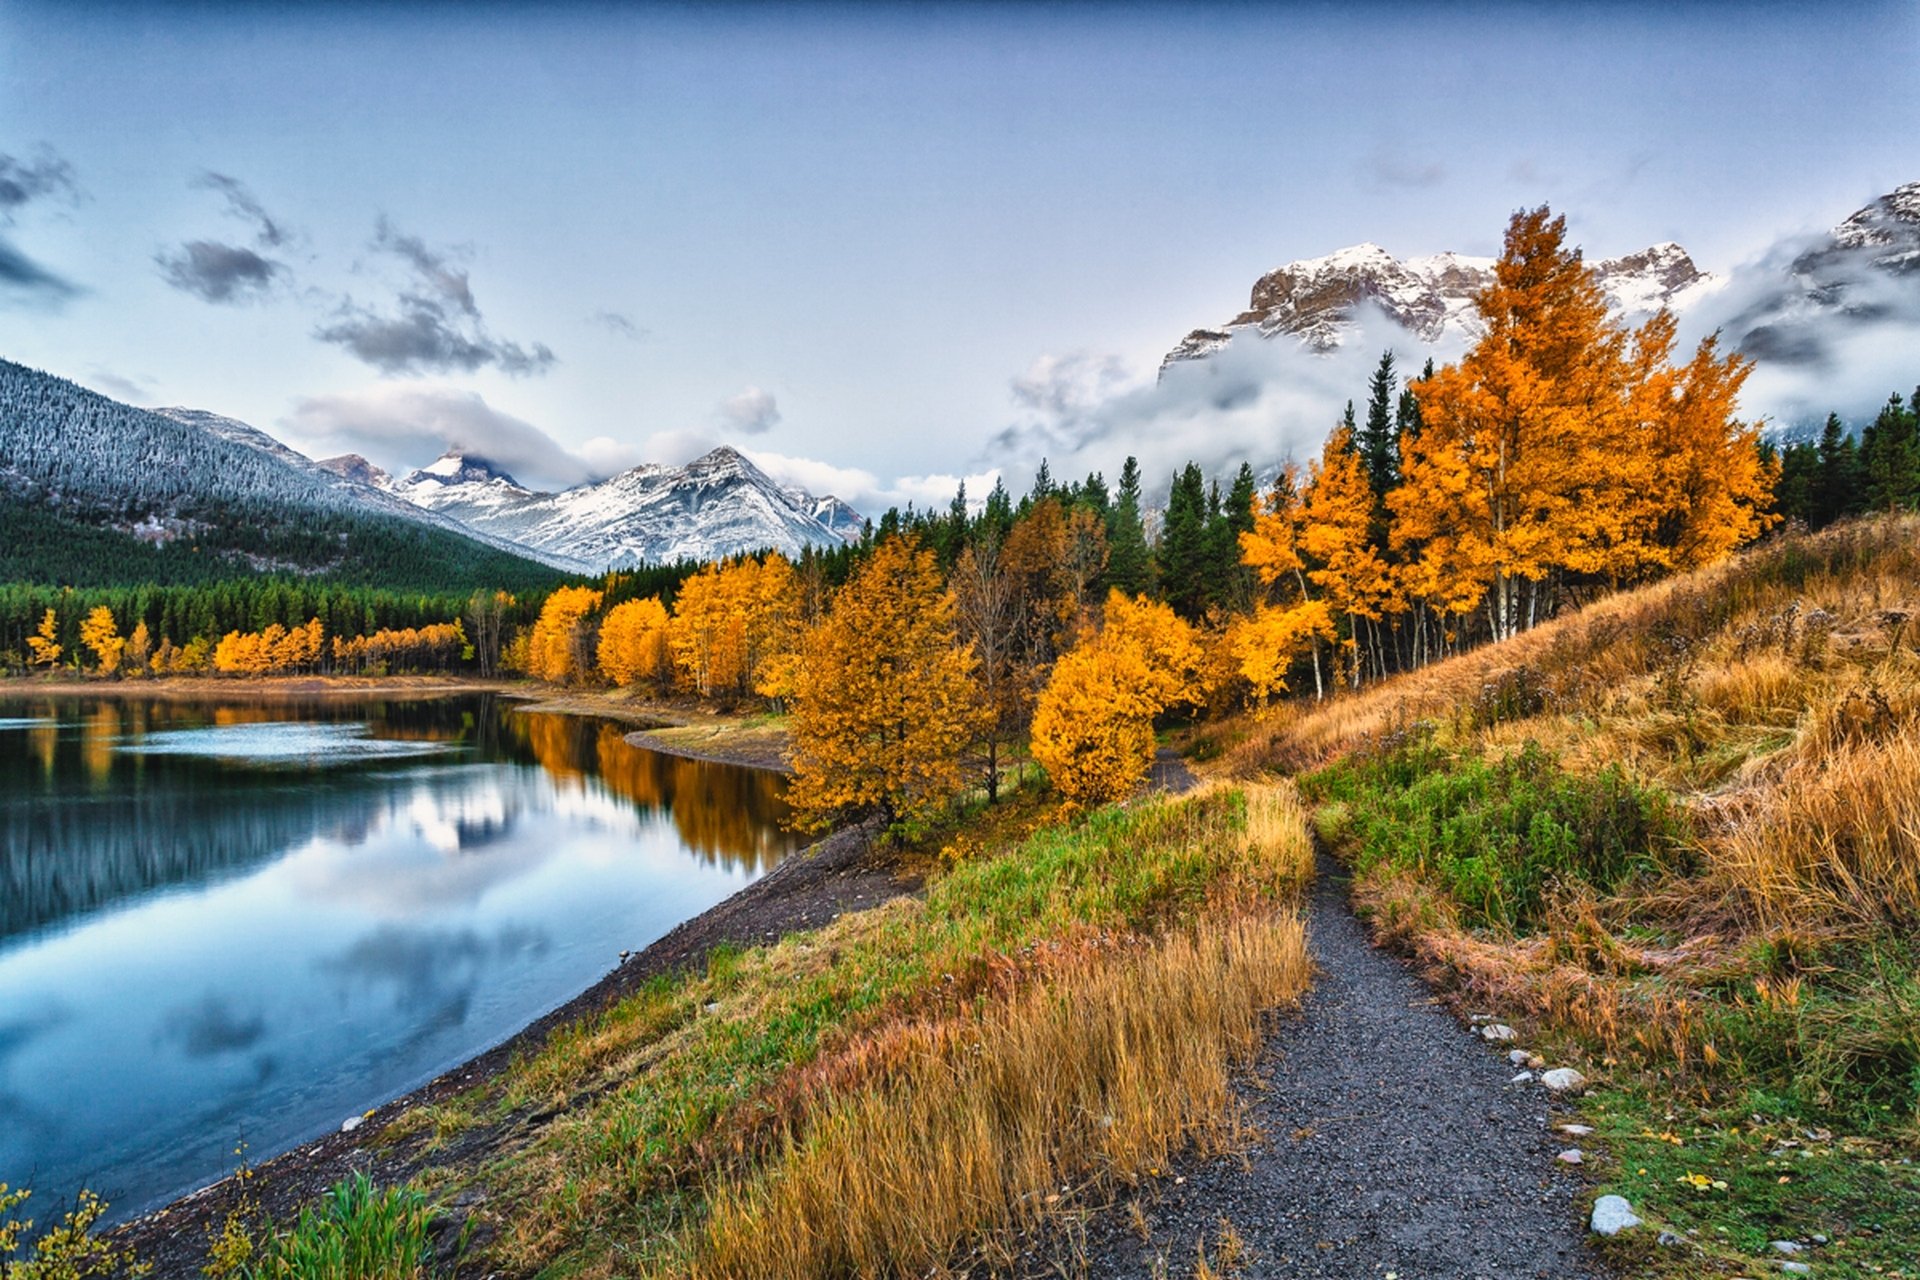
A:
{"x": 879, "y": 248}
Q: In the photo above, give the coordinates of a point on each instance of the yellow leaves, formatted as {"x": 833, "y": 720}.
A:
{"x": 633, "y": 642}
{"x": 1335, "y": 532}
{"x": 100, "y": 633}
{"x": 883, "y": 697}
{"x": 731, "y": 621}
{"x": 1266, "y": 644}
{"x": 1093, "y": 727}
{"x": 43, "y": 647}
{"x": 274, "y": 650}
{"x": 556, "y": 647}
{"x": 1701, "y": 1183}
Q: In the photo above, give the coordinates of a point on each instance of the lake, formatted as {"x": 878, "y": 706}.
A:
{"x": 234, "y": 922}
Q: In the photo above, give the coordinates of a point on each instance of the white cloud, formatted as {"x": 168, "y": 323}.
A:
{"x": 406, "y": 425}
{"x": 750, "y": 412}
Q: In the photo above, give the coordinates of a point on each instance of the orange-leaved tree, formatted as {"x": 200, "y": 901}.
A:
{"x": 633, "y": 642}
{"x": 883, "y": 702}
{"x": 1337, "y": 535}
{"x": 1288, "y": 619}
{"x": 43, "y": 646}
{"x": 558, "y": 642}
{"x": 100, "y": 633}
{"x": 1093, "y": 726}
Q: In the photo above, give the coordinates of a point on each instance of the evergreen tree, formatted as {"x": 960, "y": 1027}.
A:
{"x": 1890, "y": 458}
{"x": 996, "y": 518}
{"x": 1182, "y": 554}
{"x": 1836, "y": 486}
{"x": 1129, "y": 563}
{"x": 1379, "y": 440}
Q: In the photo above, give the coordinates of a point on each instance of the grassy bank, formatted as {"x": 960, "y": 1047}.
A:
{"x": 1677, "y": 836}
{"x": 923, "y": 1084}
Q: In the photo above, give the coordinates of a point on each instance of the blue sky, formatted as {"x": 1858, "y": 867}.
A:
{"x": 840, "y": 236}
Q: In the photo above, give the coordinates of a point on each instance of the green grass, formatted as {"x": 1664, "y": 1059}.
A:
{"x": 354, "y": 1232}
{"x": 1495, "y": 836}
{"x": 694, "y": 1079}
{"x": 1785, "y": 1178}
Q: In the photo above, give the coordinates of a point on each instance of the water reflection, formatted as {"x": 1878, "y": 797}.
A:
{"x": 229, "y": 920}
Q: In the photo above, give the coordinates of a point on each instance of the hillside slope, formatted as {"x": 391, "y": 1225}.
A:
{"x": 93, "y": 491}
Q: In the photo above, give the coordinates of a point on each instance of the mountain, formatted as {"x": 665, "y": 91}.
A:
{"x": 95, "y": 491}
{"x": 715, "y": 506}
{"x": 1865, "y": 270}
{"x": 1317, "y": 300}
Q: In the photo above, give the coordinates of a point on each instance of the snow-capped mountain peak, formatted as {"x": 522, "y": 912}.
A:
{"x": 457, "y": 467}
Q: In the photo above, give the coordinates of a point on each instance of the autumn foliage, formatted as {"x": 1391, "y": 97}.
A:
{"x": 884, "y": 702}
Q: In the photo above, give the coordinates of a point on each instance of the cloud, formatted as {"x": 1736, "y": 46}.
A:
{"x": 620, "y": 325}
{"x": 210, "y": 1027}
{"x": 404, "y": 426}
{"x": 22, "y": 182}
{"x": 131, "y": 390}
{"x": 219, "y": 273}
{"x": 1264, "y": 401}
{"x": 28, "y": 281}
{"x": 268, "y": 231}
{"x": 1830, "y": 329}
{"x": 433, "y": 325}
{"x": 750, "y": 412}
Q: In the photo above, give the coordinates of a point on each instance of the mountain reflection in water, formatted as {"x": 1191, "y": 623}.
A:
{"x": 227, "y": 921}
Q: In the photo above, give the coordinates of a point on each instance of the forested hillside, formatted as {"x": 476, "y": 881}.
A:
{"x": 94, "y": 492}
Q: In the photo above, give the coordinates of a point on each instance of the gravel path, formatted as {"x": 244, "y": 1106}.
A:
{"x": 1394, "y": 1142}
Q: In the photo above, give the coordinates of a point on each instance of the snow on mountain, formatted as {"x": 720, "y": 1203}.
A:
{"x": 351, "y": 466}
{"x": 715, "y": 506}
{"x": 1316, "y": 300}
{"x": 165, "y": 473}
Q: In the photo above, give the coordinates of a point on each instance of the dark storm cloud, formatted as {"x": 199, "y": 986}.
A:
{"x": 433, "y": 324}
{"x": 219, "y": 273}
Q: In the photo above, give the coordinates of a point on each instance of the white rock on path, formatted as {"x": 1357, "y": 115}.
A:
{"x": 351, "y": 1123}
{"x": 1525, "y": 1077}
{"x": 1562, "y": 1079}
{"x": 1572, "y": 1155}
{"x": 1788, "y": 1247}
{"x": 1612, "y": 1215}
{"x": 1577, "y": 1130}
{"x": 1499, "y": 1031}
{"x": 1519, "y": 1057}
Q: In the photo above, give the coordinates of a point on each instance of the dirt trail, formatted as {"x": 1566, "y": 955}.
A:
{"x": 1394, "y": 1143}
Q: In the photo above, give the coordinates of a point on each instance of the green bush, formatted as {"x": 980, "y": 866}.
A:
{"x": 356, "y": 1232}
{"x": 1496, "y": 836}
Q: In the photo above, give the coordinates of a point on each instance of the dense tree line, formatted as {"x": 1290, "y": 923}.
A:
{"x": 1845, "y": 473}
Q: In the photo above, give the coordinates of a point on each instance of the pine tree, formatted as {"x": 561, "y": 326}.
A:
{"x": 1182, "y": 553}
{"x": 1890, "y": 458}
{"x": 1836, "y": 486}
{"x": 1129, "y": 562}
{"x": 1379, "y": 440}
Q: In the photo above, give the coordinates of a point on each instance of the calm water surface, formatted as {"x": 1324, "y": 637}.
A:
{"x": 224, "y": 923}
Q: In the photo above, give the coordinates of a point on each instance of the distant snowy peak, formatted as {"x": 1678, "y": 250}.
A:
{"x": 1886, "y": 231}
{"x": 1317, "y": 300}
{"x": 718, "y": 505}
{"x": 456, "y": 468}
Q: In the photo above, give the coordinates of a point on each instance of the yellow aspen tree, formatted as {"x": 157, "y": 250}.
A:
{"x": 1336, "y": 532}
{"x": 1265, "y": 644}
{"x": 1506, "y": 477}
{"x": 884, "y": 704}
{"x": 100, "y": 633}
{"x": 633, "y": 642}
{"x": 1093, "y": 724}
{"x": 554, "y": 642}
{"x": 139, "y": 649}
{"x": 43, "y": 647}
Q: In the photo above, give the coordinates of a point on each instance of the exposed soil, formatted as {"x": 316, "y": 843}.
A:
{"x": 1392, "y": 1142}
{"x": 844, "y": 872}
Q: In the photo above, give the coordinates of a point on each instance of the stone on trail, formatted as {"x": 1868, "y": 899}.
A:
{"x": 1525, "y": 1077}
{"x": 1519, "y": 1057}
{"x": 1499, "y": 1031}
{"x": 1562, "y": 1079}
{"x": 1572, "y": 1155}
{"x": 1612, "y": 1215}
{"x": 1788, "y": 1247}
{"x": 1577, "y": 1130}
{"x": 351, "y": 1123}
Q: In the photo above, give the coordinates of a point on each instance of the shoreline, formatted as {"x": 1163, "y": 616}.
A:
{"x": 810, "y": 888}
{"x": 687, "y": 730}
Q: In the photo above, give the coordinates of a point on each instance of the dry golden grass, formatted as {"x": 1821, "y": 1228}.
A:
{"x": 1088, "y": 1080}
